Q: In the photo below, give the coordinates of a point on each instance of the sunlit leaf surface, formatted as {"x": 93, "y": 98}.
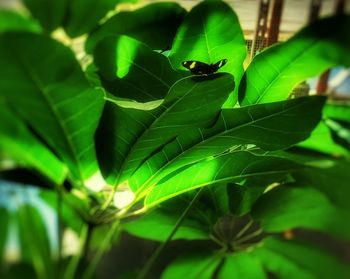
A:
{"x": 132, "y": 70}
{"x": 269, "y": 126}
{"x": 155, "y": 25}
{"x": 17, "y": 142}
{"x": 274, "y": 72}
{"x": 211, "y": 32}
{"x": 137, "y": 134}
{"x": 44, "y": 83}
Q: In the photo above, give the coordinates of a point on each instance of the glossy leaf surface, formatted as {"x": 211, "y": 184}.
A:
{"x": 211, "y": 32}
{"x": 155, "y": 25}
{"x": 17, "y": 142}
{"x": 46, "y": 86}
{"x": 132, "y": 70}
{"x": 274, "y": 72}
{"x": 149, "y": 130}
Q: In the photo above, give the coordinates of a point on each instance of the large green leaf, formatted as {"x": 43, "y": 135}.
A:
{"x": 241, "y": 265}
{"x": 291, "y": 259}
{"x": 136, "y": 134}
{"x": 333, "y": 182}
{"x": 154, "y": 24}
{"x": 228, "y": 167}
{"x": 270, "y": 126}
{"x": 209, "y": 33}
{"x": 274, "y": 72}
{"x": 43, "y": 82}
{"x": 11, "y": 21}
{"x": 84, "y": 15}
{"x": 340, "y": 131}
{"x": 162, "y": 219}
{"x": 132, "y": 70}
{"x": 301, "y": 207}
{"x": 50, "y": 14}
{"x": 17, "y": 142}
{"x": 337, "y": 111}
{"x": 200, "y": 264}
{"x": 321, "y": 140}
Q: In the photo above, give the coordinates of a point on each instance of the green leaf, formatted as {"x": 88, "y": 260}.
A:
{"x": 228, "y": 167}
{"x": 321, "y": 140}
{"x": 286, "y": 208}
{"x": 43, "y": 82}
{"x": 11, "y": 21}
{"x": 50, "y": 14}
{"x": 132, "y": 70}
{"x": 209, "y": 33}
{"x": 138, "y": 133}
{"x": 269, "y": 126}
{"x": 17, "y": 142}
{"x": 273, "y": 73}
{"x": 84, "y": 15}
{"x": 340, "y": 131}
{"x": 333, "y": 182}
{"x": 200, "y": 264}
{"x": 337, "y": 111}
{"x": 162, "y": 220}
{"x": 241, "y": 265}
{"x": 155, "y": 25}
{"x": 291, "y": 259}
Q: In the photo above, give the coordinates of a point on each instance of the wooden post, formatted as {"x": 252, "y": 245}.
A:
{"x": 275, "y": 21}
{"x": 322, "y": 84}
{"x": 259, "y": 41}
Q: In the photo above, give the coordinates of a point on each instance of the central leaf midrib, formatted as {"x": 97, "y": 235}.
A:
{"x": 311, "y": 45}
{"x": 233, "y": 177}
{"x": 38, "y": 84}
{"x": 141, "y": 188}
{"x": 132, "y": 149}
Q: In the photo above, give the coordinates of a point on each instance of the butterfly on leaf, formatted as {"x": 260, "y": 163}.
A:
{"x": 201, "y": 68}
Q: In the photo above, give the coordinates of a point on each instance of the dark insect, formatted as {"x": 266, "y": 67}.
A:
{"x": 200, "y": 68}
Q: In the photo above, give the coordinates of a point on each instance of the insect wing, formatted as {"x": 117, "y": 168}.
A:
{"x": 197, "y": 68}
{"x": 219, "y": 64}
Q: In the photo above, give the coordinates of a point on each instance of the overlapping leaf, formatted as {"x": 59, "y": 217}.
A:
{"x": 155, "y": 25}
{"x": 209, "y": 33}
{"x": 11, "y": 21}
{"x": 132, "y": 70}
{"x": 269, "y": 126}
{"x": 137, "y": 134}
{"x": 76, "y": 17}
{"x": 44, "y": 83}
{"x": 84, "y": 15}
{"x": 50, "y": 14}
{"x": 291, "y": 258}
{"x": 274, "y": 72}
{"x": 200, "y": 264}
{"x": 304, "y": 207}
{"x": 17, "y": 142}
{"x": 228, "y": 167}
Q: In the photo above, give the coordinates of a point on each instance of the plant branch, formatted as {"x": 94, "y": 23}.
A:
{"x": 145, "y": 270}
{"x": 88, "y": 273}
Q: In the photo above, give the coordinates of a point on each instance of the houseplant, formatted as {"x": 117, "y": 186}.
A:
{"x": 125, "y": 138}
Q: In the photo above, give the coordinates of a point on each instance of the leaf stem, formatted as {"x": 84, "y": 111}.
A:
{"x": 147, "y": 267}
{"x": 244, "y": 229}
{"x": 88, "y": 273}
{"x": 249, "y": 236}
{"x": 74, "y": 261}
